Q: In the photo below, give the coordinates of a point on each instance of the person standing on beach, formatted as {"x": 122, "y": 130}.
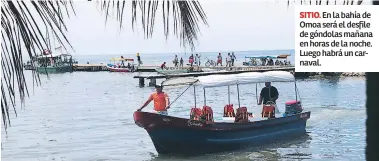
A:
{"x": 181, "y": 62}
{"x": 139, "y": 59}
{"x": 219, "y": 59}
{"x": 161, "y": 101}
{"x": 176, "y": 61}
{"x": 233, "y": 58}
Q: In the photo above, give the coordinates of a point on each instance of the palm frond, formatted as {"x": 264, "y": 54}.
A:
{"x": 26, "y": 27}
{"x": 185, "y": 16}
{"x": 319, "y": 2}
{"x": 21, "y": 33}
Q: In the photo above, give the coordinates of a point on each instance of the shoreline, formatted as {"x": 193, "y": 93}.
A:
{"x": 353, "y": 74}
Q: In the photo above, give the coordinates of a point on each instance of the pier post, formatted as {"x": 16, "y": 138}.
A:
{"x": 141, "y": 82}
{"x": 152, "y": 82}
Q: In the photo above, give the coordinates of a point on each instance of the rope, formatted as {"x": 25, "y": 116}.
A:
{"x": 181, "y": 94}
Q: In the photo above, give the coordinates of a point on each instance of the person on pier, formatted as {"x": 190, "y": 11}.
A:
{"x": 139, "y": 60}
{"x": 181, "y": 63}
{"x": 228, "y": 60}
{"x": 191, "y": 60}
{"x": 233, "y": 57}
{"x": 163, "y": 66}
{"x": 122, "y": 61}
{"x": 219, "y": 59}
{"x": 176, "y": 61}
{"x": 197, "y": 60}
{"x": 161, "y": 101}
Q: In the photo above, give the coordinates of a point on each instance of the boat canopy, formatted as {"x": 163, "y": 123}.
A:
{"x": 119, "y": 59}
{"x": 232, "y": 79}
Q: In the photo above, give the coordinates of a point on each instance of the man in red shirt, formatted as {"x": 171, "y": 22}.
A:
{"x": 161, "y": 101}
{"x": 163, "y": 66}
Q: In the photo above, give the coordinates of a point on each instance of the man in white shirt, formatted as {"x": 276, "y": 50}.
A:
{"x": 198, "y": 59}
{"x": 228, "y": 60}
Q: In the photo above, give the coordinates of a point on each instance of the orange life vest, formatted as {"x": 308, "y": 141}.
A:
{"x": 229, "y": 111}
{"x": 268, "y": 111}
{"x": 208, "y": 112}
{"x": 196, "y": 113}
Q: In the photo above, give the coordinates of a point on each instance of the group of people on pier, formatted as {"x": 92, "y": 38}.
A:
{"x": 195, "y": 60}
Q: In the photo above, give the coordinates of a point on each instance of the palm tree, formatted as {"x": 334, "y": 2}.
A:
{"x": 20, "y": 31}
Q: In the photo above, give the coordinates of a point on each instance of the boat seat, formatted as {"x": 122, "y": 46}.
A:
{"x": 196, "y": 113}
{"x": 268, "y": 111}
{"x": 229, "y": 111}
{"x": 208, "y": 114}
{"x": 242, "y": 116}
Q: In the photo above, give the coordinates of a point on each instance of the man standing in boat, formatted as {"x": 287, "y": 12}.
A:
{"x": 139, "y": 59}
{"x": 161, "y": 101}
{"x": 268, "y": 93}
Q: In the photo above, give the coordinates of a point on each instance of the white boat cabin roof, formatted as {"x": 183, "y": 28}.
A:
{"x": 232, "y": 79}
{"x": 52, "y": 55}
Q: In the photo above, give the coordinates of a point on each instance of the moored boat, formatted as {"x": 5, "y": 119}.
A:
{"x": 262, "y": 60}
{"x": 113, "y": 67}
{"x": 200, "y": 134}
{"x": 53, "y": 63}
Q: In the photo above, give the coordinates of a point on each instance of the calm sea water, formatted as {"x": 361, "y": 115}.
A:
{"x": 88, "y": 116}
{"x": 159, "y": 58}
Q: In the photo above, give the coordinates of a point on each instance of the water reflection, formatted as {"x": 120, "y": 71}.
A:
{"x": 329, "y": 92}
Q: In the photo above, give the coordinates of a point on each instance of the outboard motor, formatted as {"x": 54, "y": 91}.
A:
{"x": 293, "y": 107}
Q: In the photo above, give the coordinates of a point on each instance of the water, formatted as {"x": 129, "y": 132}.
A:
{"x": 88, "y": 116}
{"x": 151, "y": 59}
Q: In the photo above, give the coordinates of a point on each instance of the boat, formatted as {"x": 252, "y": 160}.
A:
{"x": 200, "y": 133}
{"x": 48, "y": 62}
{"x": 258, "y": 60}
{"x": 113, "y": 67}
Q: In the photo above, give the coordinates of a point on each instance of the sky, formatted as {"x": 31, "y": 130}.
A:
{"x": 234, "y": 25}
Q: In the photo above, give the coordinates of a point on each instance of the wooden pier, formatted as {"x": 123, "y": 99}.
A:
{"x": 90, "y": 67}
{"x": 151, "y": 68}
{"x": 231, "y": 70}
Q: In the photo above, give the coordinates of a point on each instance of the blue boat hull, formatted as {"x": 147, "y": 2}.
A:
{"x": 176, "y": 135}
